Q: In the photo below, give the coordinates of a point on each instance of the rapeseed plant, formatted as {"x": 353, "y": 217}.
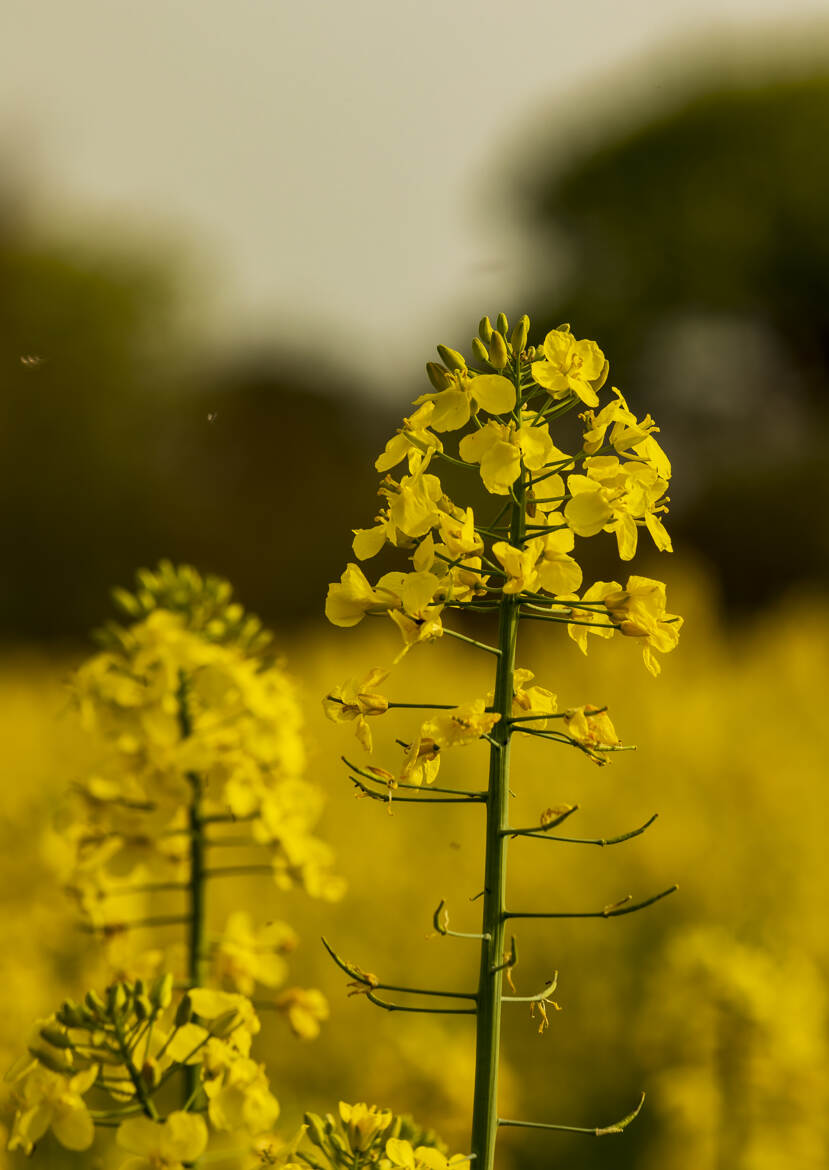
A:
{"x": 508, "y": 560}
{"x": 200, "y": 752}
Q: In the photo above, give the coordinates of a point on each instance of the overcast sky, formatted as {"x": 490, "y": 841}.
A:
{"x": 324, "y": 157}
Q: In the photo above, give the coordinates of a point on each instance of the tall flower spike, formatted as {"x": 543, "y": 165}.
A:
{"x": 518, "y": 562}
{"x": 199, "y": 746}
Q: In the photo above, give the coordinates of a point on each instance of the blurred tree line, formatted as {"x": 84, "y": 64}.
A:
{"x": 694, "y": 246}
{"x": 114, "y": 452}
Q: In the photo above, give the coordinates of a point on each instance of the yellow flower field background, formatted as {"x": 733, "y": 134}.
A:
{"x": 712, "y": 1001}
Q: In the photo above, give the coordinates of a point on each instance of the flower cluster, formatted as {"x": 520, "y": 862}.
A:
{"x": 525, "y": 548}
{"x": 199, "y": 756}
{"x": 370, "y": 1137}
{"x": 205, "y": 604}
{"x": 616, "y": 483}
{"x": 172, "y": 706}
{"x": 109, "y": 1057}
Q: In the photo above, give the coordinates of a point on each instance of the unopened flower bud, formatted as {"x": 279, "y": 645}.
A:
{"x": 372, "y": 703}
{"x": 57, "y": 1062}
{"x": 498, "y": 353}
{"x": 184, "y": 1012}
{"x": 485, "y": 330}
{"x": 143, "y": 1007}
{"x": 223, "y": 1024}
{"x": 150, "y": 1074}
{"x": 451, "y": 358}
{"x": 316, "y": 1130}
{"x": 95, "y": 1004}
{"x": 161, "y": 992}
{"x": 480, "y": 350}
{"x": 438, "y": 375}
{"x": 116, "y": 998}
{"x": 340, "y": 1146}
{"x": 71, "y": 1015}
{"x": 55, "y": 1037}
{"x": 126, "y": 602}
{"x": 518, "y": 339}
{"x": 502, "y": 324}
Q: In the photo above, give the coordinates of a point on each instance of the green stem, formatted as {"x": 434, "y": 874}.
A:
{"x": 135, "y": 1076}
{"x": 196, "y": 942}
{"x": 488, "y": 1038}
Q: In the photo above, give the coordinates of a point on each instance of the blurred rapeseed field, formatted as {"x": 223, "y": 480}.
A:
{"x": 714, "y": 1003}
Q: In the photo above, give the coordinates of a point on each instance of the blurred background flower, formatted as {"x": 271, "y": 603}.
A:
{"x": 229, "y": 236}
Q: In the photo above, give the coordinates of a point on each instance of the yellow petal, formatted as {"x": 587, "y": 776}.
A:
{"x": 400, "y": 1153}
{"x": 500, "y": 468}
{"x": 418, "y": 591}
{"x": 494, "y": 393}
{"x": 451, "y": 411}
{"x": 551, "y": 378}
{"x": 185, "y": 1136}
{"x": 536, "y": 446}
{"x": 587, "y": 512}
{"x": 187, "y": 1046}
{"x": 368, "y": 542}
{"x": 658, "y": 532}
{"x": 430, "y": 1157}
{"x": 472, "y": 448}
{"x": 139, "y": 1135}
{"x": 74, "y": 1128}
{"x": 559, "y": 576}
{"x": 627, "y": 537}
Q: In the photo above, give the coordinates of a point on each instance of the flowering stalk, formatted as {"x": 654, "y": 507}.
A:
{"x": 199, "y": 733}
{"x": 491, "y": 975}
{"x": 516, "y": 564}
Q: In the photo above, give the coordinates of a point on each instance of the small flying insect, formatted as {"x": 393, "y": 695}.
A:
{"x": 31, "y": 360}
{"x": 212, "y": 416}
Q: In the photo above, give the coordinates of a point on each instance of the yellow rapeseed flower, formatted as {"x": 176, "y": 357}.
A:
{"x": 460, "y": 726}
{"x": 167, "y": 1145}
{"x": 640, "y": 611}
{"x": 50, "y": 1100}
{"x": 354, "y": 700}
{"x": 363, "y": 1123}
{"x": 571, "y": 366}
{"x": 246, "y": 956}
{"x": 454, "y": 406}
{"x": 305, "y": 1008}
{"x": 412, "y": 440}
